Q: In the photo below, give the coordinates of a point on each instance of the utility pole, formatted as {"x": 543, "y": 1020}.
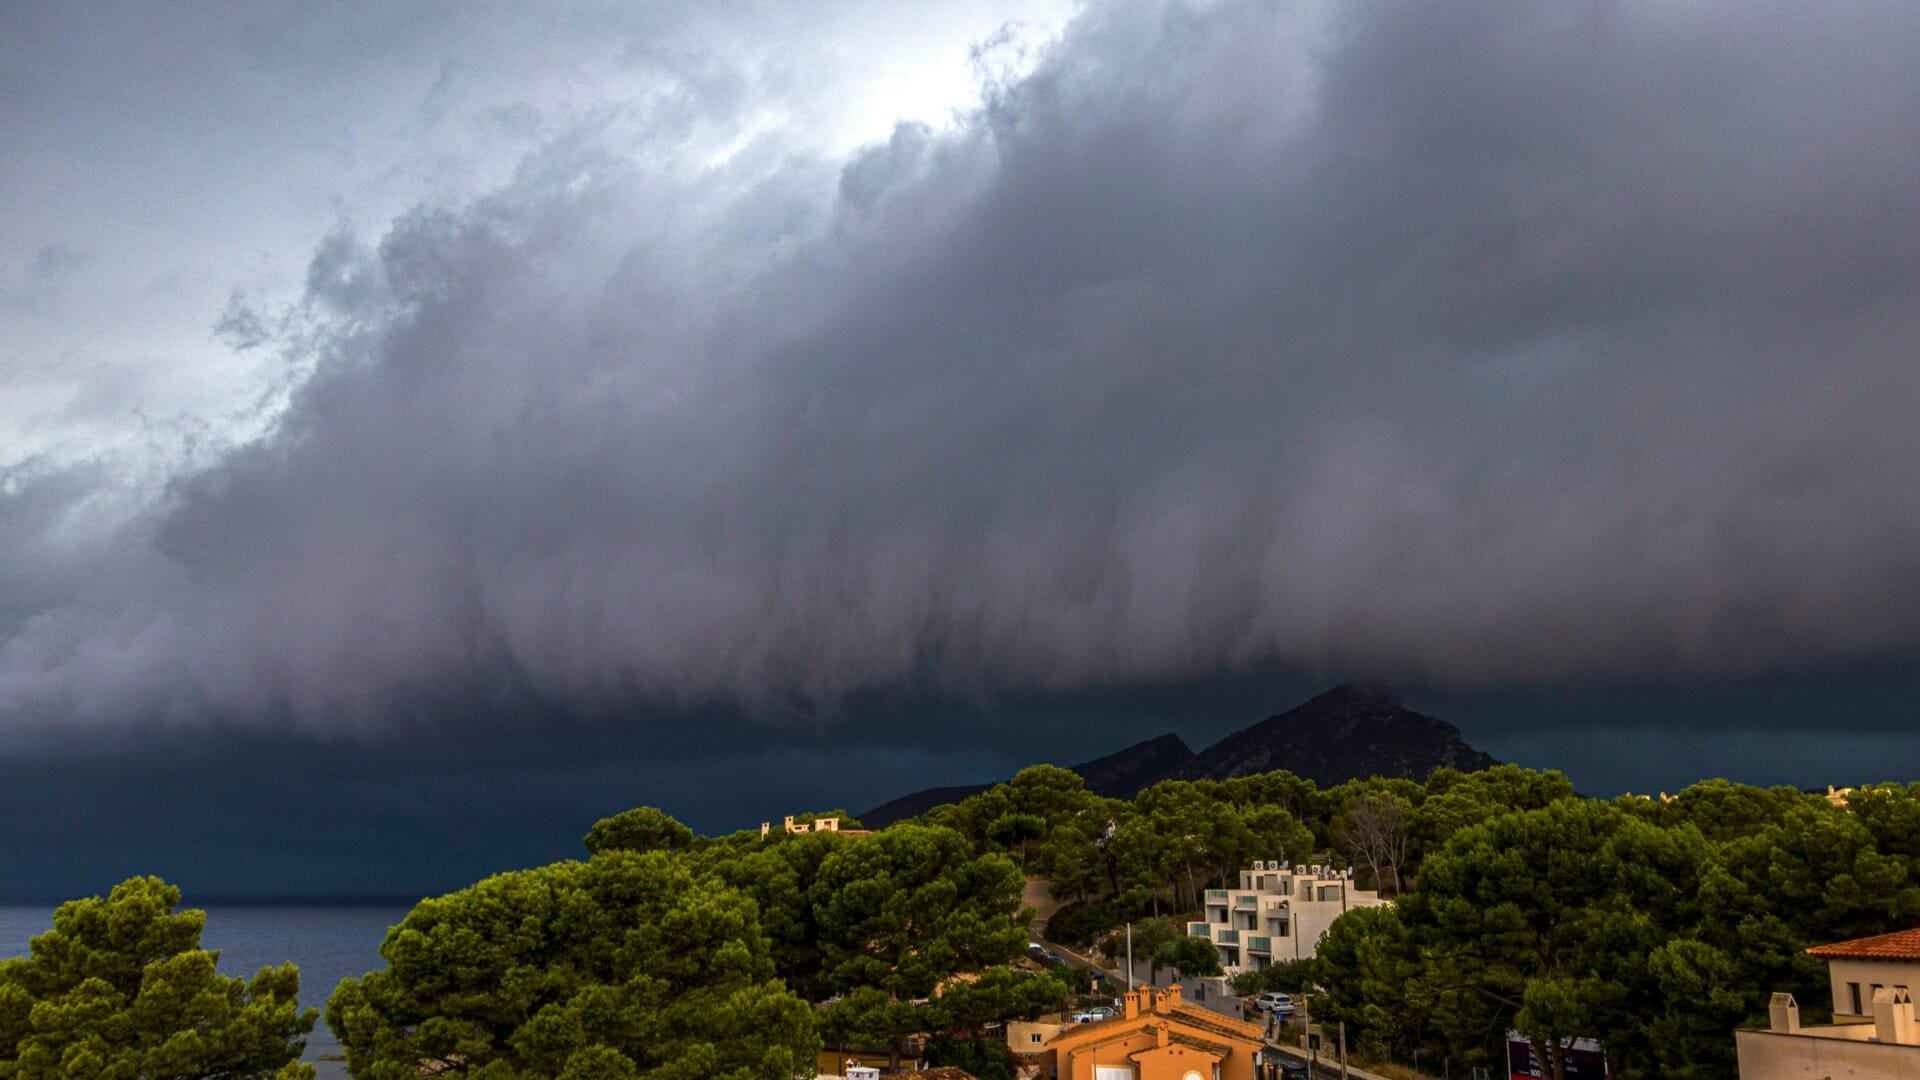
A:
{"x": 1343, "y": 1050}
{"x": 1129, "y": 957}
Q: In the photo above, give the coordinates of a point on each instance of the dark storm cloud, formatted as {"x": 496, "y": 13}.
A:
{"x": 1480, "y": 346}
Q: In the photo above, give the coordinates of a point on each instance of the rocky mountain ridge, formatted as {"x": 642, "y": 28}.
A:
{"x": 1350, "y": 731}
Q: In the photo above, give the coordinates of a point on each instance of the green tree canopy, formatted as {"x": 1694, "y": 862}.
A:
{"x": 779, "y": 874}
{"x": 640, "y": 829}
{"x": 119, "y": 989}
{"x": 969, "y": 1006}
{"x": 1374, "y": 980}
{"x": 899, "y": 914}
{"x": 1546, "y": 919}
{"x": 911, "y": 929}
{"x": 1190, "y": 956}
{"x": 1891, "y": 812}
{"x": 1456, "y": 801}
{"x": 1149, "y": 935}
{"x": 624, "y": 966}
{"x": 1723, "y": 810}
{"x": 906, "y": 908}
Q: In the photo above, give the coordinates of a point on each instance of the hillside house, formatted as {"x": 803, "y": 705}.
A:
{"x": 1157, "y": 1036}
{"x": 1873, "y": 1035}
{"x": 819, "y": 824}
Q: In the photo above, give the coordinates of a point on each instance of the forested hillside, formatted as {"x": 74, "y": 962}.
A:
{"x": 1656, "y": 925}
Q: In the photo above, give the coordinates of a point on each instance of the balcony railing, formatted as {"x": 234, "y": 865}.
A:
{"x": 1259, "y": 944}
{"x": 1246, "y": 901}
{"x": 1198, "y": 929}
{"x": 1216, "y": 895}
{"x": 1228, "y": 937}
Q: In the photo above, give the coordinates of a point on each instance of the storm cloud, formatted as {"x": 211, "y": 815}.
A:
{"x": 1480, "y": 346}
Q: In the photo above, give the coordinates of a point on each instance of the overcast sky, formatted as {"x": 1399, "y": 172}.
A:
{"x": 685, "y": 403}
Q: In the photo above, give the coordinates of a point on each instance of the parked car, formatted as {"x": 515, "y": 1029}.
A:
{"x": 1295, "y": 1070}
{"x": 1094, "y": 1015}
{"x": 1274, "y": 1002}
{"x": 1044, "y": 955}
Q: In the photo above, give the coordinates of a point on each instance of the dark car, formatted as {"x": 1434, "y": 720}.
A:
{"x": 1295, "y": 1070}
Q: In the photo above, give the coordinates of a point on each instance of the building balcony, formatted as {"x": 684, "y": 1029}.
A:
{"x": 1248, "y": 901}
{"x": 1259, "y": 944}
{"x": 1228, "y": 937}
{"x": 1216, "y": 896}
{"x": 1199, "y": 929}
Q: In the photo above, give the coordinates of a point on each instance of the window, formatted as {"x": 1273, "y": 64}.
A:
{"x": 1854, "y": 989}
{"x": 1220, "y": 916}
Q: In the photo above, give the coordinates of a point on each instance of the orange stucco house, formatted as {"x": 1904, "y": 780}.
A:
{"x": 1157, "y": 1037}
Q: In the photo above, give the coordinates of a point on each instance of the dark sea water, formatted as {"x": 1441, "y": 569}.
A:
{"x": 329, "y": 943}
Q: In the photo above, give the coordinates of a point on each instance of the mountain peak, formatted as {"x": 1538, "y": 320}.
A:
{"x": 1357, "y": 692}
{"x": 1355, "y": 729}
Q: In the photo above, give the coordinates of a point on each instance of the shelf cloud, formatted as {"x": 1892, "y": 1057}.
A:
{"x": 1481, "y": 346}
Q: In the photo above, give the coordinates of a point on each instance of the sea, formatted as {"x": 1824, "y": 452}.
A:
{"x": 329, "y": 941}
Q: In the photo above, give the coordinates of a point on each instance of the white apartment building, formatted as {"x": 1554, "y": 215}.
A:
{"x": 1279, "y": 913}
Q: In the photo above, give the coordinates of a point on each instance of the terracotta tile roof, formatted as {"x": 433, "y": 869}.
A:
{"x": 1220, "y": 1023}
{"x": 1176, "y": 1038}
{"x": 1899, "y": 945}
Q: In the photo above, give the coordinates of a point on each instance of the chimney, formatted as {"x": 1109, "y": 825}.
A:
{"x": 1162, "y": 1038}
{"x": 1168, "y": 999}
{"x": 1893, "y": 1018}
{"x": 1130, "y": 1004}
{"x": 1783, "y": 1014}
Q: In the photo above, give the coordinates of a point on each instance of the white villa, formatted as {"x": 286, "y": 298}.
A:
{"x": 1873, "y": 1036}
{"x": 1279, "y": 913}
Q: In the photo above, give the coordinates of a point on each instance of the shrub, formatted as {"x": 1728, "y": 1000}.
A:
{"x": 984, "y": 1058}
{"x": 1082, "y": 922}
